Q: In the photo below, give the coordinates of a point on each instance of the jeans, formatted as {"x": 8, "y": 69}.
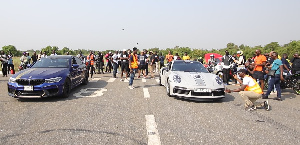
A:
{"x": 274, "y": 80}
{"x": 132, "y": 75}
{"x": 115, "y": 69}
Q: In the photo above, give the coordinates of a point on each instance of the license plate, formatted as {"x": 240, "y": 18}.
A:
{"x": 202, "y": 90}
{"x": 28, "y": 88}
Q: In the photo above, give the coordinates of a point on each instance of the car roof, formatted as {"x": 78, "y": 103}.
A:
{"x": 60, "y": 56}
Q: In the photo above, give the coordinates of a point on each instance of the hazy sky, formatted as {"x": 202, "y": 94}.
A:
{"x": 98, "y": 24}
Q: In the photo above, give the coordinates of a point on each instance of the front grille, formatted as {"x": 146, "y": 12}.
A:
{"x": 33, "y": 82}
{"x": 28, "y": 93}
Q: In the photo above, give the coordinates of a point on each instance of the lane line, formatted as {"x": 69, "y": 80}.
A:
{"x": 152, "y": 132}
{"x": 95, "y": 79}
{"x": 146, "y": 93}
{"x": 111, "y": 80}
{"x": 94, "y": 92}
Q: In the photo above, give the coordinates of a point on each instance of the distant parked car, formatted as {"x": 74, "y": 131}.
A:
{"x": 51, "y": 76}
{"x": 191, "y": 80}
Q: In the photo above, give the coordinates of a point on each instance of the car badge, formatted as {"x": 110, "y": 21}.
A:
{"x": 30, "y": 77}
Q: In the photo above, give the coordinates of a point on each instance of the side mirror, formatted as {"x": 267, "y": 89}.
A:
{"x": 75, "y": 66}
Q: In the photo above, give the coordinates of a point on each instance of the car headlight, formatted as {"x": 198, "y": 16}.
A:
{"x": 53, "y": 80}
{"x": 219, "y": 80}
{"x": 12, "y": 80}
{"x": 176, "y": 79}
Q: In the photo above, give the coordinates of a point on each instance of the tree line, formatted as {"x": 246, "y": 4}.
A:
{"x": 289, "y": 49}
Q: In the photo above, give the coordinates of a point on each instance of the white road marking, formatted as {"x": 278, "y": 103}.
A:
{"x": 144, "y": 80}
{"x": 111, "y": 80}
{"x": 95, "y": 79}
{"x": 152, "y": 132}
{"x": 146, "y": 93}
{"x": 96, "y": 92}
{"x": 126, "y": 80}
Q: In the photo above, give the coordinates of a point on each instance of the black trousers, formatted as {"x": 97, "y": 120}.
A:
{"x": 226, "y": 75}
{"x": 4, "y": 69}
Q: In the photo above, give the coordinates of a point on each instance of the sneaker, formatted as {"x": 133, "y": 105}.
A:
{"x": 131, "y": 87}
{"x": 264, "y": 96}
{"x": 252, "y": 108}
{"x": 278, "y": 99}
{"x": 121, "y": 80}
{"x": 152, "y": 78}
{"x": 266, "y": 105}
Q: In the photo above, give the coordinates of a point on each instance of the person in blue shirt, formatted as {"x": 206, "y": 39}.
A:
{"x": 278, "y": 67}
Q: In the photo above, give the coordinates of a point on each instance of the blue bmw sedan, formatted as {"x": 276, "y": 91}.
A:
{"x": 51, "y": 76}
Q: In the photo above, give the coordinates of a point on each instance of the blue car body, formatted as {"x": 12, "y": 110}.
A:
{"x": 51, "y": 76}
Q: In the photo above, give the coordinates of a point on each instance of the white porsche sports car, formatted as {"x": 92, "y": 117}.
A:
{"x": 191, "y": 80}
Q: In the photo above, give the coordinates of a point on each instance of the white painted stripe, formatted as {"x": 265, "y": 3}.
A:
{"x": 152, "y": 132}
{"x": 146, "y": 93}
{"x": 94, "y": 92}
{"x": 95, "y": 79}
{"x": 126, "y": 81}
{"x": 111, "y": 80}
{"x": 144, "y": 80}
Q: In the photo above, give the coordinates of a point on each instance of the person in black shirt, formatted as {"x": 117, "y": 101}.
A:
{"x": 124, "y": 64}
{"x": 34, "y": 58}
{"x": 153, "y": 61}
{"x": 296, "y": 63}
{"x": 227, "y": 60}
{"x": 99, "y": 62}
{"x": 286, "y": 64}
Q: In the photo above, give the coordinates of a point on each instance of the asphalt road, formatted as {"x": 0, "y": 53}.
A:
{"x": 106, "y": 112}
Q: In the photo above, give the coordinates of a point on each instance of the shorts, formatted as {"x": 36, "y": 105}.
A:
{"x": 124, "y": 67}
{"x": 142, "y": 67}
{"x": 258, "y": 75}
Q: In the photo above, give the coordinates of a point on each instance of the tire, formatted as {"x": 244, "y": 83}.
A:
{"x": 86, "y": 79}
{"x": 160, "y": 80}
{"x": 168, "y": 89}
{"x": 266, "y": 84}
{"x": 297, "y": 89}
{"x": 66, "y": 88}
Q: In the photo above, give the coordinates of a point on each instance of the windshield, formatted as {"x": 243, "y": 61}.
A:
{"x": 189, "y": 67}
{"x": 52, "y": 63}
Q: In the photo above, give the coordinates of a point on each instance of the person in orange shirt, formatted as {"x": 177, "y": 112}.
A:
{"x": 259, "y": 63}
{"x": 169, "y": 57}
{"x": 133, "y": 66}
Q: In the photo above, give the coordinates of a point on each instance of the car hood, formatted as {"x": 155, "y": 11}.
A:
{"x": 40, "y": 73}
{"x": 198, "y": 79}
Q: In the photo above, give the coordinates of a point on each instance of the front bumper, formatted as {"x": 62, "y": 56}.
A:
{"x": 39, "y": 91}
{"x": 214, "y": 94}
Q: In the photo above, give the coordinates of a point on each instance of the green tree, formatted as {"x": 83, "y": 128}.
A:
{"x": 12, "y": 49}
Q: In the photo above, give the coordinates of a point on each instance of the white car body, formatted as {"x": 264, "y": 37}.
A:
{"x": 194, "y": 84}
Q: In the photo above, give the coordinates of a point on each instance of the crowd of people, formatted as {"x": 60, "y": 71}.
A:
{"x": 250, "y": 73}
{"x": 255, "y": 71}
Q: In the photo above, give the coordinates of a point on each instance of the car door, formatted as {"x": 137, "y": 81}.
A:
{"x": 74, "y": 72}
{"x": 81, "y": 70}
{"x": 165, "y": 73}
